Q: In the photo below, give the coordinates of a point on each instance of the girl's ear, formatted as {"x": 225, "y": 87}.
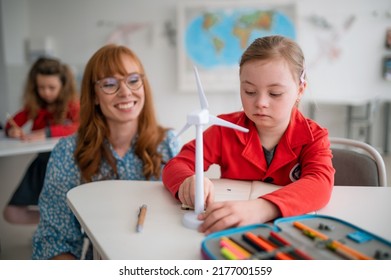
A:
{"x": 302, "y": 87}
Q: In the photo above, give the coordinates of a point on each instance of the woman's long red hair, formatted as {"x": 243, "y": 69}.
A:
{"x": 93, "y": 129}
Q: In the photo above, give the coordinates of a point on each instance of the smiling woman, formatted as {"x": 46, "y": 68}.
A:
{"x": 119, "y": 138}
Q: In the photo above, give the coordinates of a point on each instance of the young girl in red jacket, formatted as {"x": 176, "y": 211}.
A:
{"x": 282, "y": 146}
{"x": 51, "y": 104}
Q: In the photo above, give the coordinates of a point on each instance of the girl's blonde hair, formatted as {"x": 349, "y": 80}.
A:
{"x": 93, "y": 129}
{"x": 275, "y": 46}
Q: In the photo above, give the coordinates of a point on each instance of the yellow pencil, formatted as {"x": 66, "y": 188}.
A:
{"x": 240, "y": 252}
{"x": 228, "y": 254}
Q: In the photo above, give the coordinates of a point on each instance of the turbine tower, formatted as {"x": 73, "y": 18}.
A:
{"x": 199, "y": 119}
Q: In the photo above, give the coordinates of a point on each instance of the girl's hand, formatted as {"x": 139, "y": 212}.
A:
{"x": 36, "y": 135}
{"x": 223, "y": 215}
{"x": 16, "y": 132}
{"x": 186, "y": 191}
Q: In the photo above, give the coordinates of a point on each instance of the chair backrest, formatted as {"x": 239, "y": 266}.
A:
{"x": 357, "y": 163}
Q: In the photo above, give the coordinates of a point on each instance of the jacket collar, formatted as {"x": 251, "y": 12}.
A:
{"x": 298, "y": 133}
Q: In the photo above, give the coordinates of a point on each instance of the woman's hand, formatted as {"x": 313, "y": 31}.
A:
{"x": 223, "y": 215}
{"x": 186, "y": 193}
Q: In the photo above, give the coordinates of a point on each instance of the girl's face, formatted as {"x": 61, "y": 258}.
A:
{"x": 269, "y": 92}
{"x": 49, "y": 87}
{"x": 125, "y": 105}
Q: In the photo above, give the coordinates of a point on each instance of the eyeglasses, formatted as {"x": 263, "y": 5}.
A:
{"x": 111, "y": 85}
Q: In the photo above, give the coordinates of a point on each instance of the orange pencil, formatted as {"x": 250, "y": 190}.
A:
{"x": 265, "y": 245}
{"x": 334, "y": 245}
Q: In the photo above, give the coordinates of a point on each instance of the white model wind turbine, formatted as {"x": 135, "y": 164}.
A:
{"x": 199, "y": 119}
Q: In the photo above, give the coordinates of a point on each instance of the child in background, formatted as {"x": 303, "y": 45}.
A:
{"x": 51, "y": 102}
{"x": 282, "y": 147}
{"x": 119, "y": 138}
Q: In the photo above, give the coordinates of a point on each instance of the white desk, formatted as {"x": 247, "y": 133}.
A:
{"x": 107, "y": 210}
{"x": 11, "y": 147}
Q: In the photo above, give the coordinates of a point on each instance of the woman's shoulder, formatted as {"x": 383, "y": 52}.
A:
{"x": 170, "y": 137}
{"x": 66, "y": 144}
{"x": 171, "y": 142}
{"x": 170, "y": 134}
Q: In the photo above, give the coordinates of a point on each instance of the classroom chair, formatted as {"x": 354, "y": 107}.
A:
{"x": 357, "y": 163}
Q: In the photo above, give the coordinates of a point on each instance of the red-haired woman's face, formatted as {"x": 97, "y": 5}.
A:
{"x": 125, "y": 104}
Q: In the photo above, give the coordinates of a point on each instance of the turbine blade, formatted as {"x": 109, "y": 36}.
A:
{"x": 221, "y": 122}
{"x": 201, "y": 94}
{"x": 182, "y": 130}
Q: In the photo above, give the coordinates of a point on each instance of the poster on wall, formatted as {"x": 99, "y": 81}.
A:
{"x": 212, "y": 37}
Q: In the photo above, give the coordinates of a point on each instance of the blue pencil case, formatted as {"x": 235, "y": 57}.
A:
{"x": 305, "y": 237}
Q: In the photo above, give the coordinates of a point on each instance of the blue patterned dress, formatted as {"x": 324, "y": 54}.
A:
{"x": 58, "y": 230}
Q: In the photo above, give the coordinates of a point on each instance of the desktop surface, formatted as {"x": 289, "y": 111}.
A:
{"x": 108, "y": 211}
{"x": 114, "y": 207}
{"x": 12, "y": 147}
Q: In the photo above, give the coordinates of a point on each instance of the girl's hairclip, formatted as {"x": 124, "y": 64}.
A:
{"x": 302, "y": 80}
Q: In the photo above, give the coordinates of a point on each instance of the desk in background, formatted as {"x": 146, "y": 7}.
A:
{"x": 107, "y": 211}
{"x": 371, "y": 105}
{"x": 11, "y": 147}
{"x": 15, "y": 156}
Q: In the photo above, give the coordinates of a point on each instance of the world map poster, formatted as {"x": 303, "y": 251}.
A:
{"x": 213, "y": 37}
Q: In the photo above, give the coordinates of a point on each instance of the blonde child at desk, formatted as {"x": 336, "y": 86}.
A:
{"x": 119, "y": 138}
{"x": 282, "y": 146}
{"x": 51, "y": 103}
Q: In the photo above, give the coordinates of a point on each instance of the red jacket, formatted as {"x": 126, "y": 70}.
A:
{"x": 45, "y": 119}
{"x": 301, "y": 162}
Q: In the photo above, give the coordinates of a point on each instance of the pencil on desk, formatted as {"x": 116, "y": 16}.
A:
{"x": 141, "y": 218}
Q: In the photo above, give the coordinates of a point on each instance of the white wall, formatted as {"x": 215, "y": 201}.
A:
{"x": 3, "y": 77}
{"x": 79, "y": 27}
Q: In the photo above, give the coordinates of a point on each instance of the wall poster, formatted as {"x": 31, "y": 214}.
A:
{"x": 212, "y": 36}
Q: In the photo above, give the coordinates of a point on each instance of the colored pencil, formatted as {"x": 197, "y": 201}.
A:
{"x": 264, "y": 245}
{"x": 242, "y": 245}
{"x": 333, "y": 245}
{"x": 141, "y": 218}
{"x": 298, "y": 252}
{"x": 239, "y": 252}
{"x": 228, "y": 254}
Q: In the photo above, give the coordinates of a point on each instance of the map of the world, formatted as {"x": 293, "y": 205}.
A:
{"x": 218, "y": 38}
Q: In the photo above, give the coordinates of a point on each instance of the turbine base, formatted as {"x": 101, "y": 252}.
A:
{"x": 190, "y": 220}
